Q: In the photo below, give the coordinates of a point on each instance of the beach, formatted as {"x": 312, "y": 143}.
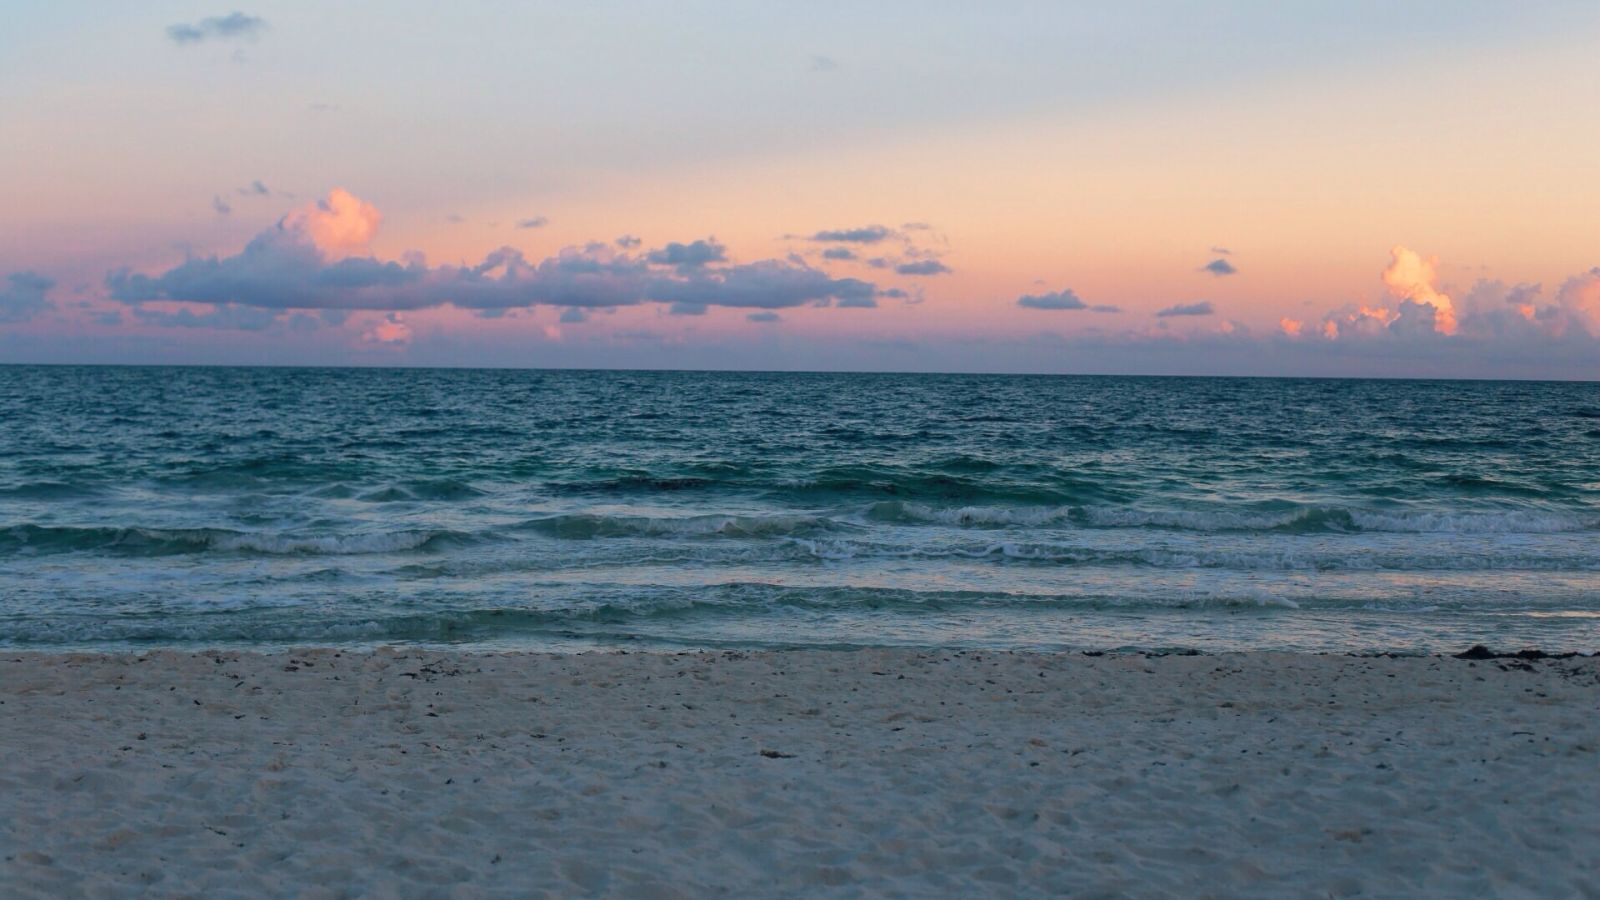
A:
{"x": 410, "y": 772}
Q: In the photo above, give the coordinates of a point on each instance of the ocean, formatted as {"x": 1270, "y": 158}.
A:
{"x": 558, "y": 510}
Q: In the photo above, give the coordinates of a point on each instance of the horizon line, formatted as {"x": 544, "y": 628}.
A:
{"x": 734, "y": 371}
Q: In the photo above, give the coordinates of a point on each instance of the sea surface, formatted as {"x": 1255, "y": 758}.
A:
{"x": 148, "y": 506}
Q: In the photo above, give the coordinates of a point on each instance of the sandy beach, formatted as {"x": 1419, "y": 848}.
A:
{"x": 405, "y": 773}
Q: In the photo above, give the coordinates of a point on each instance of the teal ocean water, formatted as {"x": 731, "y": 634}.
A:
{"x": 218, "y": 506}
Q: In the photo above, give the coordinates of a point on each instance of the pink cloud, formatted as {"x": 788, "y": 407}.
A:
{"x": 1410, "y": 277}
{"x": 391, "y": 329}
{"x": 340, "y": 225}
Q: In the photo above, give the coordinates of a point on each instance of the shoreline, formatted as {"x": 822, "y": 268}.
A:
{"x": 319, "y": 772}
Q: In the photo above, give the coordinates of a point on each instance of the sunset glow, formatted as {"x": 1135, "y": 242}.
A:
{"x": 1241, "y": 211}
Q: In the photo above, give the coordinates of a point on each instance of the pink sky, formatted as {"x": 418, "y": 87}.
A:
{"x": 1376, "y": 203}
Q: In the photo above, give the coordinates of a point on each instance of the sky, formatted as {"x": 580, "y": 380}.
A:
{"x": 1356, "y": 188}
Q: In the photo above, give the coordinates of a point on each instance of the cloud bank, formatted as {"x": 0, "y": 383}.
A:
{"x": 312, "y": 259}
{"x": 1491, "y": 314}
{"x": 314, "y": 269}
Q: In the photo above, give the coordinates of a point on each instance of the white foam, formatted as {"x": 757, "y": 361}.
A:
{"x": 1507, "y": 522}
{"x": 968, "y": 516}
{"x": 1192, "y": 520}
{"x": 333, "y": 544}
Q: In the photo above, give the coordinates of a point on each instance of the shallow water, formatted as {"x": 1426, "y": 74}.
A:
{"x": 180, "y": 506}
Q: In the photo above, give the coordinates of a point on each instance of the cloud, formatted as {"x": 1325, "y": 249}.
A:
{"x": 923, "y": 267}
{"x": 1424, "y": 313}
{"x": 689, "y": 256}
{"x": 768, "y": 284}
{"x": 243, "y": 318}
{"x": 1410, "y": 277}
{"x": 1513, "y": 326}
{"x": 1105, "y": 308}
{"x": 857, "y": 302}
{"x": 535, "y": 222}
{"x": 254, "y": 189}
{"x": 220, "y": 206}
{"x": 1219, "y": 266}
{"x": 628, "y": 242}
{"x": 765, "y": 317}
{"x": 391, "y": 329}
{"x": 1200, "y": 308}
{"x": 1222, "y": 251}
{"x": 821, "y": 63}
{"x": 1578, "y": 301}
{"x": 24, "y": 296}
{"x": 1490, "y": 312}
{"x": 1062, "y": 299}
{"x": 572, "y": 316}
{"x": 232, "y": 25}
{"x": 910, "y": 297}
{"x": 870, "y": 234}
{"x": 298, "y": 264}
{"x": 342, "y": 222}
{"x": 838, "y": 253}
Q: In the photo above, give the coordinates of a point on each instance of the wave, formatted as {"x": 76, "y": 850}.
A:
{"x": 138, "y": 541}
{"x": 953, "y": 477}
{"x": 585, "y": 526}
{"x": 1354, "y": 559}
{"x": 442, "y": 489}
{"x": 636, "y": 613}
{"x": 631, "y": 484}
{"x": 1099, "y": 517}
{"x": 901, "y": 511}
{"x": 285, "y": 468}
{"x": 48, "y": 490}
{"x": 696, "y": 615}
{"x": 1301, "y": 519}
{"x": 1045, "y": 533}
{"x": 1502, "y": 522}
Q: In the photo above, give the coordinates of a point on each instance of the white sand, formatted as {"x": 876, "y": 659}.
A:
{"x": 451, "y": 774}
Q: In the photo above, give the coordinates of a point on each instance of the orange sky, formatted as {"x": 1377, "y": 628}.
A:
{"x": 1464, "y": 144}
